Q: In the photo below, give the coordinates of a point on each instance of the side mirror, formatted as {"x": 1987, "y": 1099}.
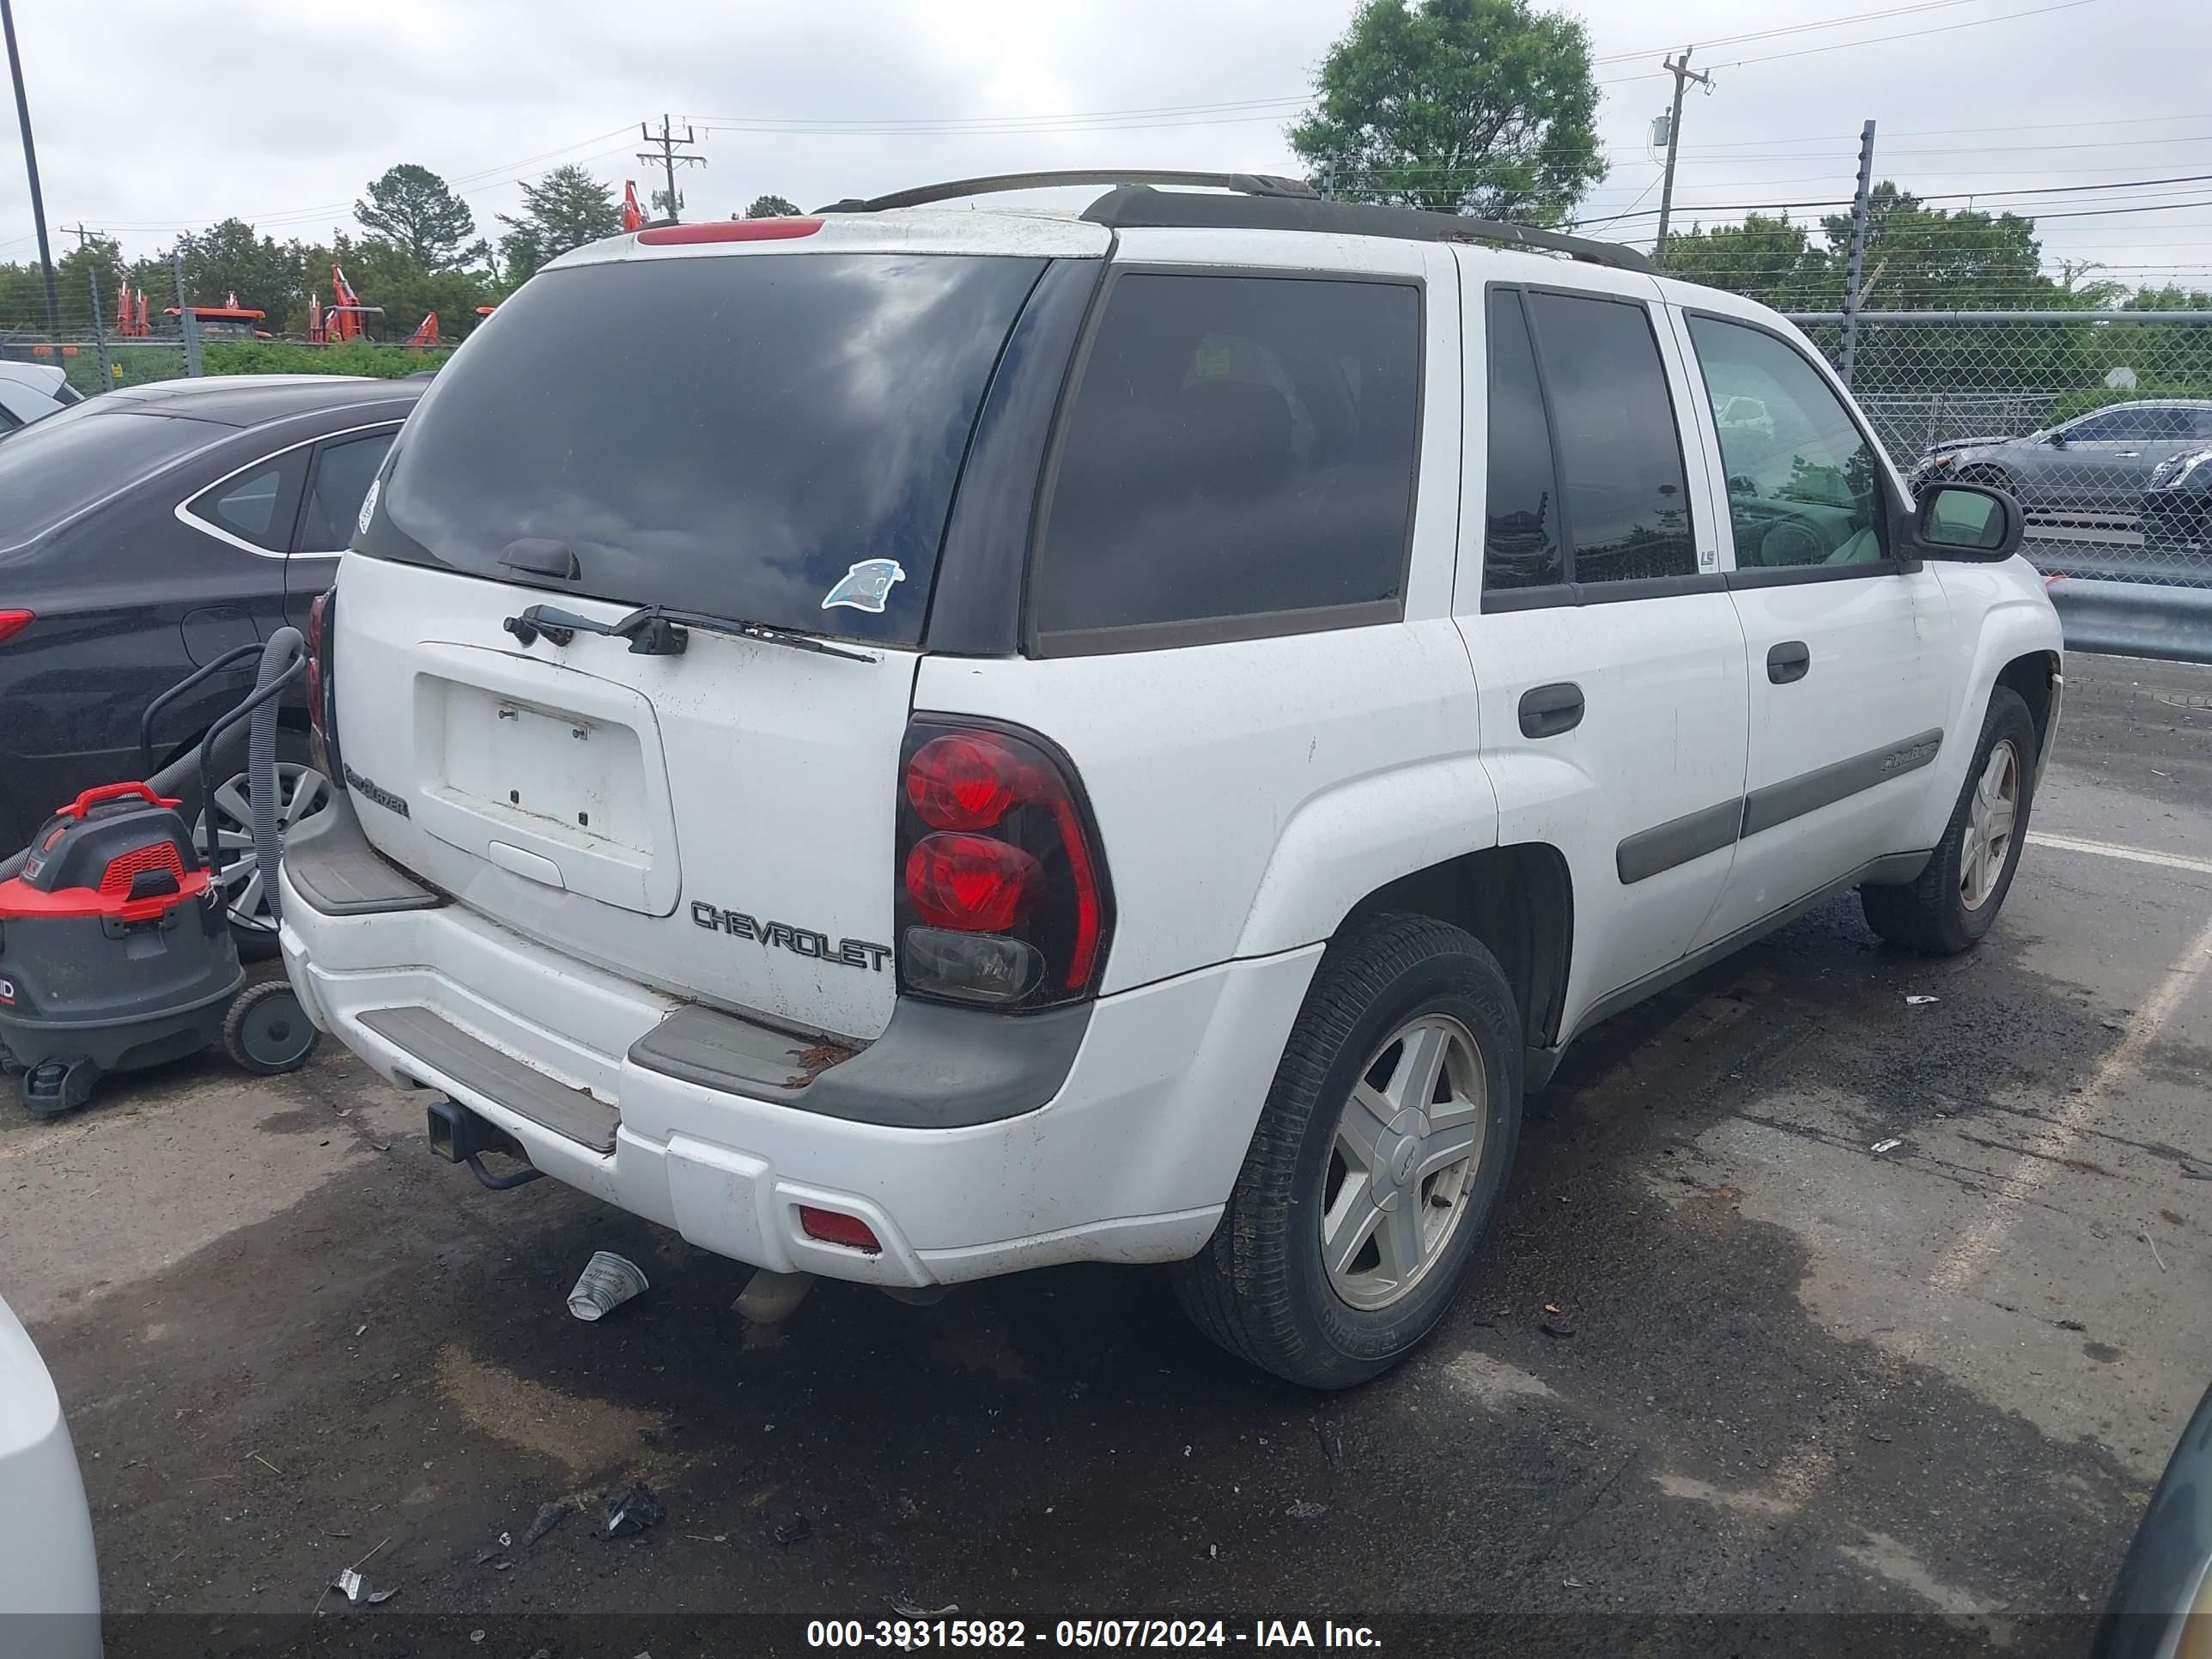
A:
{"x": 2056, "y": 440}
{"x": 1967, "y": 521}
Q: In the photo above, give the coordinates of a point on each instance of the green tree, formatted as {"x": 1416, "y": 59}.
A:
{"x": 1771, "y": 260}
{"x": 773, "y": 207}
{"x": 1482, "y": 107}
{"x": 412, "y": 207}
{"x": 225, "y": 258}
{"x": 564, "y": 210}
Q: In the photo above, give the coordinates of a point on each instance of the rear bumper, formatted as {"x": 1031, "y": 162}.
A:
{"x": 1130, "y": 1160}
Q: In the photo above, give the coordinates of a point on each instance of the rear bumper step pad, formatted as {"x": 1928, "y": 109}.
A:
{"x": 446, "y": 1049}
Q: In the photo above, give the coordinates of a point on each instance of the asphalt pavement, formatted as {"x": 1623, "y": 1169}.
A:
{"x": 1885, "y": 1279}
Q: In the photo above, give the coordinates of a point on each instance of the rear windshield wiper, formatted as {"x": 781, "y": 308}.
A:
{"x": 654, "y": 630}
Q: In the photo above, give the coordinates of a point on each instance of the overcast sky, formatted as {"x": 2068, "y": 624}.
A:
{"x": 150, "y": 119}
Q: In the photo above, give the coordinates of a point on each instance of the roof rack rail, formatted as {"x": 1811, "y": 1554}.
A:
{"x": 1134, "y": 207}
{"x": 1247, "y": 184}
{"x": 1259, "y": 201}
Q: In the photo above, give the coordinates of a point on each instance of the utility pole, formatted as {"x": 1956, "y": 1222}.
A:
{"x": 188, "y": 323}
{"x": 83, "y": 236}
{"x": 1849, "y": 355}
{"x": 666, "y": 155}
{"x": 31, "y": 166}
{"x": 1680, "y": 71}
{"x": 100, "y": 332}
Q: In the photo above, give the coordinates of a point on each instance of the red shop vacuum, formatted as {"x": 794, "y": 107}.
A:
{"x": 116, "y": 951}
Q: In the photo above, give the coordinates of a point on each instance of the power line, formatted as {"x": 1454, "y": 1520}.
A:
{"x": 1794, "y": 28}
{"x": 1871, "y": 41}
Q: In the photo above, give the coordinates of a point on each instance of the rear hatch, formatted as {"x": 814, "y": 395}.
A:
{"x": 764, "y": 436}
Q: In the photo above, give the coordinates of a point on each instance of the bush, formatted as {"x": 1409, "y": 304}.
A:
{"x": 367, "y": 357}
{"x": 135, "y": 362}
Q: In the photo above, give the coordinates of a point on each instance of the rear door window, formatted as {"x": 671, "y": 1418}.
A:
{"x": 1237, "y": 460}
{"x": 769, "y": 438}
{"x": 1620, "y": 455}
{"x": 1522, "y": 545}
{"x": 258, "y": 505}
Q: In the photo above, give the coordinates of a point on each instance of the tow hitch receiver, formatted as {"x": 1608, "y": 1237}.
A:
{"x": 460, "y": 1136}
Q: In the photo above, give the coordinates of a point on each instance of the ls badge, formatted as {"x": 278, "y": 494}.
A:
{"x": 866, "y": 586}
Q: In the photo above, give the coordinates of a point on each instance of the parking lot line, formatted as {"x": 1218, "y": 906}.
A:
{"x": 1814, "y": 1464}
{"x": 2039, "y": 1162}
{"x": 2109, "y": 850}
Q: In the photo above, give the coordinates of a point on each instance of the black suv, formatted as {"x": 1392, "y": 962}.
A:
{"x": 144, "y": 533}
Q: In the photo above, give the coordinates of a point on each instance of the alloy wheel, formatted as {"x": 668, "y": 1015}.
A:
{"x": 1408, "y": 1141}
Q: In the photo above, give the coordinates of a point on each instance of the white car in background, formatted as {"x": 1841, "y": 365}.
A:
{"x": 30, "y": 390}
{"x": 49, "y": 1578}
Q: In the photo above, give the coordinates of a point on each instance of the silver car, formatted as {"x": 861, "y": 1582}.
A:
{"x": 2098, "y": 462}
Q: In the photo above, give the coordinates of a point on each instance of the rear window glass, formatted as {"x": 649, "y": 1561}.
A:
{"x": 75, "y": 456}
{"x": 729, "y": 435}
{"x": 1238, "y": 460}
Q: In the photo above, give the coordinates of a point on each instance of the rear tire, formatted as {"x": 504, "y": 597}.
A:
{"x": 1955, "y": 900}
{"x": 1414, "y": 1018}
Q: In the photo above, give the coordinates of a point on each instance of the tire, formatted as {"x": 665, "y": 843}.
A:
{"x": 1955, "y": 900}
{"x": 251, "y": 926}
{"x": 266, "y": 1032}
{"x": 1261, "y": 1288}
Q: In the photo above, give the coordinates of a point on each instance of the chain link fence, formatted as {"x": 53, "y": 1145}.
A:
{"x": 2090, "y": 418}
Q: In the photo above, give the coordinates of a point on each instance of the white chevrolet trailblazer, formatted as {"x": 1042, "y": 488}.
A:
{"x": 907, "y": 744}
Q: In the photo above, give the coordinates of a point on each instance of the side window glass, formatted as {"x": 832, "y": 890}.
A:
{"x": 1803, "y": 484}
{"x": 1626, "y": 500}
{"x": 1522, "y": 546}
{"x": 256, "y": 506}
{"x": 342, "y": 472}
{"x": 1239, "y": 448}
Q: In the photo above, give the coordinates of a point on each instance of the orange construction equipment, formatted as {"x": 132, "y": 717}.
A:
{"x": 426, "y": 333}
{"x": 228, "y": 322}
{"x": 633, "y": 215}
{"x": 340, "y": 320}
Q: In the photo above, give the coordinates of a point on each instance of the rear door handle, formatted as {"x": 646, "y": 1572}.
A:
{"x": 1548, "y": 710}
{"x": 1792, "y": 659}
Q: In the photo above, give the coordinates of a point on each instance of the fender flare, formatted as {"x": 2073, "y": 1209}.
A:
{"x": 1344, "y": 843}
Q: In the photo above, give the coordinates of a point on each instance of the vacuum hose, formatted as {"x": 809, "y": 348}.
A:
{"x": 283, "y": 659}
{"x": 284, "y": 649}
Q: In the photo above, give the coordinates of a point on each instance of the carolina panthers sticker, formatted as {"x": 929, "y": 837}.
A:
{"x": 866, "y": 586}
{"x": 367, "y": 507}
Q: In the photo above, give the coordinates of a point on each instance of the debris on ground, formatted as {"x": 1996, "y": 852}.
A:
{"x": 1306, "y": 1509}
{"x": 355, "y": 1588}
{"x": 608, "y": 1281}
{"x": 2154, "y": 1255}
{"x": 486, "y": 1557}
{"x": 2071, "y": 1325}
{"x": 2195, "y": 1172}
{"x": 1555, "y": 1322}
{"x": 792, "y": 1531}
{"x": 633, "y": 1512}
{"x": 1888, "y": 1146}
{"x": 547, "y": 1517}
{"x": 1882, "y": 1436}
{"x": 907, "y": 1607}
{"x": 1920, "y": 1001}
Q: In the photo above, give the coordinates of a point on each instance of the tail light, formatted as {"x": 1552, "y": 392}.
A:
{"x": 1002, "y": 887}
{"x": 13, "y": 622}
{"x": 322, "y": 738}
